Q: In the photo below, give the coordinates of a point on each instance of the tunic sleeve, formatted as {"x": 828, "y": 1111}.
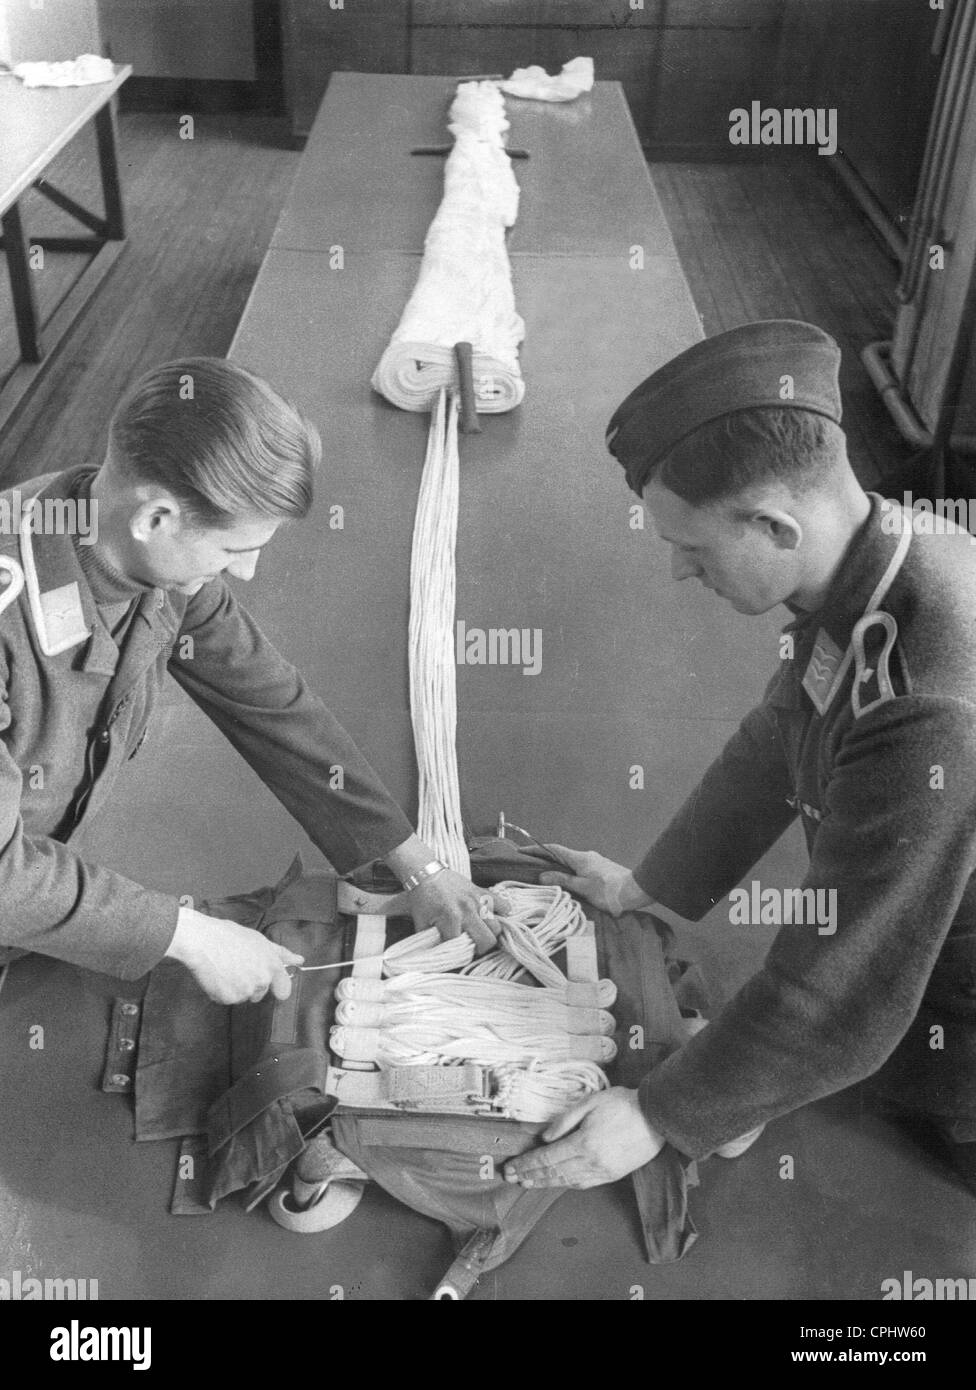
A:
{"x": 263, "y": 706}
{"x": 56, "y": 903}
{"x": 738, "y": 810}
{"x": 897, "y": 846}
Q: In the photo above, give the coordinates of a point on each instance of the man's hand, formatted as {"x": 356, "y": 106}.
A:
{"x": 606, "y": 885}
{"x": 453, "y": 904}
{"x": 606, "y": 1137}
{"x": 447, "y": 901}
{"x": 231, "y": 963}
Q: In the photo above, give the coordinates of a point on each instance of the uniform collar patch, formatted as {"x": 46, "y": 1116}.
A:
{"x": 63, "y": 623}
{"x": 57, "y": 609}
{"x": 821, "y": 678}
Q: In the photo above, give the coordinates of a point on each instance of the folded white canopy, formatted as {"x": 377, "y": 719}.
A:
{"x": 464, "y": 289}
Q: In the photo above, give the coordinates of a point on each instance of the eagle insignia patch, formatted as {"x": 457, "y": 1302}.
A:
{"x": 60, "y": 620}
{"x": 820, "y": 677}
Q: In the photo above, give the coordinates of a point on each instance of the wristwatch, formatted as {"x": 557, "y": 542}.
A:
{"x": 428, "y": 871}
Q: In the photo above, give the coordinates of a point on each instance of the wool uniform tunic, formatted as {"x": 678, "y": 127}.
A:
{"x": 75, "y": 705}
{"x": 869, "y": 735}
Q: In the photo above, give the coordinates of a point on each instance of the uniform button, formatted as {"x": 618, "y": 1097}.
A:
{"x": 104, "y": 736}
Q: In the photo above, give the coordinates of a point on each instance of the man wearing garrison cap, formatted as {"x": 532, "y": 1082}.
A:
{"x": 868, "y": 735}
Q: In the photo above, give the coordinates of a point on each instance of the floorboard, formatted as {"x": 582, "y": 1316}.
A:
{"x": 783, "y": 240}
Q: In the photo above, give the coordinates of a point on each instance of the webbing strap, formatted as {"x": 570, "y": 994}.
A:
{"x": 661, "y": 1189}
{"x": 659, "y": 1000}
{"x": 581, "y": 966}
{"x": 468, "y": 1266}
{"x": 301, "y": 1069}
{"x": 442, "y": 1134}
{"x": 633, "y": 955}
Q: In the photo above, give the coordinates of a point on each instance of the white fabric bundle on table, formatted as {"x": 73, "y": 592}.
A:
{"x": 80, "y": 72}
{"x": 575, "y": 78}
{"x": 464, "y": 290}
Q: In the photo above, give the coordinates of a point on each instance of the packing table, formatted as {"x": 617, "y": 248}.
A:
{"x": 545, "y": 544}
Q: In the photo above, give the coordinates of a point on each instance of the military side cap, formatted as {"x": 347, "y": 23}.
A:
{"x": 777, "y": 362}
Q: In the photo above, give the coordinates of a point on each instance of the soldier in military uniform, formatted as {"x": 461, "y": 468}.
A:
{"x": 868, "y": 735}
{"x": 204, "y": 462}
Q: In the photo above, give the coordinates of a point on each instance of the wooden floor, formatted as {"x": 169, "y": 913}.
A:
{"x": 756, "y": 241}
{"x": 783, "y": 240}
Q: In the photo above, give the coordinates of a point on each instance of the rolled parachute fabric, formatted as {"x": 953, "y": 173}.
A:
{"x": 464, "y": 290}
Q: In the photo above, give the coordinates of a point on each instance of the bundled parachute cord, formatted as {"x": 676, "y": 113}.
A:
{"x": 463, "y": 296}
{"x": 437, "y": 1006}
{"x": 541, "y": 921}
{"x": 433, "y": 668}
{"x": 426, "y": 948}
{"x": 558, "y": 918}
{"x": 505, "y": 1009}
{"x": 542, "y": 1093}
{"x": 426, "y": 953}
{"x": 427, "y": 1044}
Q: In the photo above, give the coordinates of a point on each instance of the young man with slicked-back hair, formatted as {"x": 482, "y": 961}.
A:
{"x": 866, "y": 734}
{"x": 204, "y": 462}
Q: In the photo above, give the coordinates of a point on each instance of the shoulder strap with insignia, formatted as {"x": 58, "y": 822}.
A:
{"x": 872, "y": 674}
{"x": 11, "y": 581}
{"x": 872, "y": 668}
{"x": 873, "y": 640}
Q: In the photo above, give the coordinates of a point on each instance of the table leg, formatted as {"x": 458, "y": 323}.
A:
{"x": 108, "y": 161}
{"x": 17, "y": 248}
